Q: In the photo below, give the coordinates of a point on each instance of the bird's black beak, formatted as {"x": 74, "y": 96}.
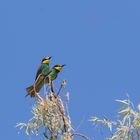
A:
{"x": 63, "y": 65}
{"x": 50, "y": 57}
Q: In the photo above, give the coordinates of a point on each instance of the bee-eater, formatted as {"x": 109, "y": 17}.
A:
{"x": 42, "y": 71}
{"x": 54, "y": 72}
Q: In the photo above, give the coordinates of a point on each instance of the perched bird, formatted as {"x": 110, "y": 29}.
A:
{"x": 54, "y": 72}
{"x": 51, "y": 76}
{"x": 42, "y": 72}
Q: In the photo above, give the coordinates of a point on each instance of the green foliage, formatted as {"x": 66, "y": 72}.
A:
{"x": 127, "y": 126}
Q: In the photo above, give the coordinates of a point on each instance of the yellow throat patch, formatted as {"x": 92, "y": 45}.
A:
{"x": 47, "y": 61}
{"x": 58, "y": 68}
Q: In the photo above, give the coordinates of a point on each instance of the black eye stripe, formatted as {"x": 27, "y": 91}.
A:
{"x": 45, "y": 59}
{"x": 56, "y": 66}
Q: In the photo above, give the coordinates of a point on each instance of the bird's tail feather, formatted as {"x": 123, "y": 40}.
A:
{"x": 30, "y": 91}
{"x": 38, "y": 85}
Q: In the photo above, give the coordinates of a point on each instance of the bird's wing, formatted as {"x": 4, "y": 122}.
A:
{"x": 39, "y": 71}
{"x": 48, "y": 72}
{"x": 42, "y": 78}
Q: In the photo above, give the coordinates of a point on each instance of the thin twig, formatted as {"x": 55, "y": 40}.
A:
{"x": 80, "y": 123}
{"x": 35, "y": 85}
{"x": 52, "y": 87}
{"x": 62, "y": 113}
{"x": 62, "y": 85}
{"x": 51, "y": 84}
{"x": 36, "y": 93}
{"x": 58, "y": 93}
{"x": 135, "y": 136}
{"x": 80, "y": 135}
{"x": 45, "y": 86}
{"x": 138, "y": 136}
{"x": 67, "y": 105}
{"x": 37, "y": 78}
{"x": 39, "y": 97}
{"x": 45, "y": 136}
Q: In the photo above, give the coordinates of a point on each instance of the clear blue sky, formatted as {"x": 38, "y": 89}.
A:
{"x": 98, "y": 40}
